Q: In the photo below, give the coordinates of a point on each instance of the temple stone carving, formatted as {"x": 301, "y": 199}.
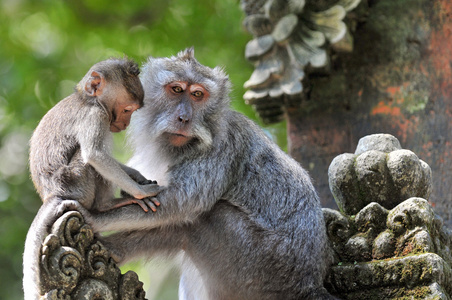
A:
{"x": 387, "y": 241}
{"x": 74, "y": 265}
{"x": 290, "y": 35}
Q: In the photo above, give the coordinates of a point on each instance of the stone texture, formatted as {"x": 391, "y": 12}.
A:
{"x": 380, "y": 142}
{"x": 412, "y": 277}
{"x": 74, "y": 265}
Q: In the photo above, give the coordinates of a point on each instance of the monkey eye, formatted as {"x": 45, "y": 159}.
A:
{"x": 198, "y": 94}
{"x": 127, "y": 109}
{"x": 177, "y": 89}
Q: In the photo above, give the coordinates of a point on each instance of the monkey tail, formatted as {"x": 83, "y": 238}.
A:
{"x": 39, "y": 229}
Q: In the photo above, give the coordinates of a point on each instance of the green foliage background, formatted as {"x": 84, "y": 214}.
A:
{"x": 47, "y": 46}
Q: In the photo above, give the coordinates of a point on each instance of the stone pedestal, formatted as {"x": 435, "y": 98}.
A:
{"x": 388, "y": 242}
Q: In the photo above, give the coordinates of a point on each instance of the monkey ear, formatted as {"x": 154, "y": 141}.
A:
{"x": 95, "y": 84}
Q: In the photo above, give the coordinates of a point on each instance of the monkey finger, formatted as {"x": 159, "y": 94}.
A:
{"x": 148, "y": 181}
{"x": 156, "y": 202}
{"x": 142, "y": 204}
{"x": 150, "y": 204}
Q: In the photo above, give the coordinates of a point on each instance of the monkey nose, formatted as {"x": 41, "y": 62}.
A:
{"x": 183, "y": 119}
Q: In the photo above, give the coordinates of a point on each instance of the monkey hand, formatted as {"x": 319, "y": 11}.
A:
{"x": 145, "y": 181}
{"x": 68, "y": 205}
{"x": 137, "y": 177}
{"x": 148, "y": 181}
{"x": 147, "y": 190}
{"x": 145, "y": 203}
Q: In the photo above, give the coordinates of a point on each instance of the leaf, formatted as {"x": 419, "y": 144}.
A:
{"x": 258, "y": 25}
{"x": 254, "y": 94}
{"x": 263, "y": 71}
{"x": 276, "y": 9}
{"x": 291, "y": 84}
{"x": 329, "y": 22}
{"x": 259, "y": 46}
{"x": 284, "y": 28}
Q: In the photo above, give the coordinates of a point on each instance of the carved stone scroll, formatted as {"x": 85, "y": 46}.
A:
{"x": 387, "y": 241}
{"x": 74, "y": 265}
{"x": 289, "y": 35}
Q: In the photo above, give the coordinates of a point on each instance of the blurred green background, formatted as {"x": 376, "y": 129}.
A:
{"x": 47, "y": 46}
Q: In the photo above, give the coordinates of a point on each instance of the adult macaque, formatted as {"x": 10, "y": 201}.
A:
{"x": 70, "y": 154}
{"x": 243, "y": 212}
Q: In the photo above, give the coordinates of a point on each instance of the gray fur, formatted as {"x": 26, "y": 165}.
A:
{"x": 244, "y": 213}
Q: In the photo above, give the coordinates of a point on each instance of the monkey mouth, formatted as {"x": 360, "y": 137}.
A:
{"x": 178, "y": 139}
{"x": 178, "y": 134}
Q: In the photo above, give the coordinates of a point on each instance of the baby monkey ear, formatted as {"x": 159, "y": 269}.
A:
{"x": 95, "y": 84}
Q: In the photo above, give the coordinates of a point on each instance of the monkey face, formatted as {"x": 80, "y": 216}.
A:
{"x": 184, "y": 102}
{"x": 121, "y": 111}
{"x": 187, "y": 99}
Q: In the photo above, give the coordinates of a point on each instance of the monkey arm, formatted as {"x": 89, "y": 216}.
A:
{"x": 95, "y": 152}
{"x": 134, "y": 174}
{"x": 111, "y": 170}
{"x": 181, "y": 203}
{"x": 133, "y": 217}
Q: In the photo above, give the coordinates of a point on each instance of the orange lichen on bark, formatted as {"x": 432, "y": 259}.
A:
{"x": 384, "y": 108}
{"x": 441, "y": 47}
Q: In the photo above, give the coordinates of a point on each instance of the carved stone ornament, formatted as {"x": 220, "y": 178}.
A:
{"x": 388, "y": 243}
{"x": 379, "y": 171}
{"x": 76, "y": 266}
{"x": 288, "y": 36}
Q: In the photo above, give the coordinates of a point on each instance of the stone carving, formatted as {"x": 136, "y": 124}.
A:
{"x": 379, "y": 171}
{"x": 387, "y": 241}
{"x": 288, "y": 36}
{"x": 74, "y": 265}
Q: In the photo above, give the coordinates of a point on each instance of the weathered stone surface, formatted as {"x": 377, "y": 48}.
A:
{"x": 372, "y": 175}
{"x": 381, "y": 142}
{"x": 388, "y": 248}
{"x": 423, "y": 276}
{"x": 74, "y": 265}
{"x": 396, "y": 253}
